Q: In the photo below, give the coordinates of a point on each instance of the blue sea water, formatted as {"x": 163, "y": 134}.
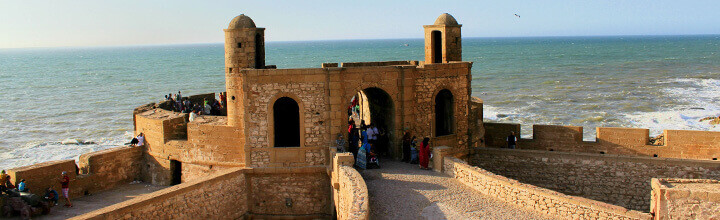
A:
{"x": 52, "y": 96}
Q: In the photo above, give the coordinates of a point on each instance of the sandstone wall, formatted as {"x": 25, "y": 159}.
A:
{"x": 619, "y": 180}
{"x": 98, "y": 171}
{"x": 353, "y": 201}
{"x": 702, "y": 145}
{"x": 222, "y": 195}
{"x": 290, "y": 193}
{"x": 685, "y": 199}
{"x": 350, "y": 194}
{"x": 540, "y": 199}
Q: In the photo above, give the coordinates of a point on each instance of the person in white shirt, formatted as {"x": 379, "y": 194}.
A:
{"x": 372, "y": 134}
{"x": 141, "y": 139}
{"x": 193, "y": 115}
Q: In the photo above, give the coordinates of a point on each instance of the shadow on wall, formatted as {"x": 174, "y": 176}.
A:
{"x": 618, "y": 141}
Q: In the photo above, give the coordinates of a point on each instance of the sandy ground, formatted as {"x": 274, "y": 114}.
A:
{"x": 100, "y": 200}
{"x": 403, "y": 191}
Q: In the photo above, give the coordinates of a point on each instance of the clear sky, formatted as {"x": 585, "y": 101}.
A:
{"x": 46, "y": 23}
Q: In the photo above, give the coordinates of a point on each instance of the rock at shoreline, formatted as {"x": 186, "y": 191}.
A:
{"x": 712, "y": 120}
{"x": 659, "y": 140}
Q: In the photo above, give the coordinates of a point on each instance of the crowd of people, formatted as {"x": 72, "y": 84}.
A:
{"x": 368, "y": 142}
{"x": 206, "y": 107}
{"x": 8, "y": 188}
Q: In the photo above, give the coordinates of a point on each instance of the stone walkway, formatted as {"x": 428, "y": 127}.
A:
{"x": 403, "y": 191}
{"x": 97, "y": 201}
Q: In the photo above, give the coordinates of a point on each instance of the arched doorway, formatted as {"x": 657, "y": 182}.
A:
{"x": 375, "y": 107}
{"x": 444, "y": 113}
{"x": 286, "y": 123}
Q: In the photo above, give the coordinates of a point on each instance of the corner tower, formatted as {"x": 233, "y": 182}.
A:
{"x": 443, "y": 40}
{"x": 244, "y": 44}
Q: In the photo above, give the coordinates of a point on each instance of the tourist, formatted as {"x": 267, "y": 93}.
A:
{"x": 223, "y": 99}
{"x": 140, "y": 139}
{"x": 193, "y": 115}
{"x": 353, "y": 137}
{"x": 134, "y": 142}
{"x": 22, "y": 187}
{"x": 187, "y": 106}
{"x": 413, "y": 151}
{"x": 425, "y": 153}
{"x": 178, "y": 96}
{"x": 340, "y": 144}
{"x": 511, "y": 140}
{"x": 65, "y": 188}
{"x": 168, "y": 96}
{"x": 207, "y": 108}
{"x": 51, "y": 195}
{"x": 406, "y": 139}
{"x": 372, "y": 134}
{"x": 8, "y": 182}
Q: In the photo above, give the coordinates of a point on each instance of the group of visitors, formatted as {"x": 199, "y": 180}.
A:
{"x": 364, "y": 143}
{"x": 207, "y": 107}
{"x": 51, "y": 195}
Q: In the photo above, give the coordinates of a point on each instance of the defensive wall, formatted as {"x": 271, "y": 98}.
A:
{"x": 252, "y": 193}
{"x": 683, "y": 144}
{"x": 95, "y": 172}
{"x": 615, "y": 179}
{"x": 686, "y": 199}
{"x": 670, "y": 198}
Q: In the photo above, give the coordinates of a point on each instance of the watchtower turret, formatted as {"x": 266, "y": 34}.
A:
{"x": 443, "y": 40}
{"x": 244, "y": 44}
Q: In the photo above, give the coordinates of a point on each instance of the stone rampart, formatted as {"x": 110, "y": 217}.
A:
{"x": 97, "y": 171}
{"x": 701, "y": 145}
{"x": 533, "y": 197}
{"x": 350, "y": 193}
{"x": 685, "y": 199}
{"x": 615, "y": 179}
{"x": 222, "y": 195}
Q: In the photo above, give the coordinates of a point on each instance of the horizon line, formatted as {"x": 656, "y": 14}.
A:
{"x": 351, "y": 39}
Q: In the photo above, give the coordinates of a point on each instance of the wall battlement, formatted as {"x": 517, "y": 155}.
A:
{"x": 701, "y": 145}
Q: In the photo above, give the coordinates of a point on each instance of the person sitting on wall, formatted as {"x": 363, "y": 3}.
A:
{"x": 8, "y": 183}
{"x": 51, "y": 195}
{"x": 193, "y": 115}
{"x": 511, "y": 140}
{"x": 22, "y": 187}
{"x": 138, "y": 141}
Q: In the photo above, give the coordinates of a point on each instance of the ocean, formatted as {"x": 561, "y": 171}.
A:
{"x": 55, "y": 98}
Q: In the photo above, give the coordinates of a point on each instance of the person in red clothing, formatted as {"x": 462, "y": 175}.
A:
{"x": 425, "y": 153}
{"x": 65, "y": 185}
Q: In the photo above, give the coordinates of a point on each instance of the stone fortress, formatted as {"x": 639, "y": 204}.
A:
{"x": 272, "y": 154}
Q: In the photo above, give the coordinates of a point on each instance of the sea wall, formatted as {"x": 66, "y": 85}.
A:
{"x": 233, "y": 193}
{"x": 615, "y": 179}
{"x": 685, "y": 199}
{"x": 683, "y": 144}
{"x": 350, "y": 193}
{"x": 97, "y": 171}
{"x": 540, "y": 199}
{"x": 220, "y": 195}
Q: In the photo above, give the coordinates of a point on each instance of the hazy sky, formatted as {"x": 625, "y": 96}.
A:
{"x": 132, "y": 22}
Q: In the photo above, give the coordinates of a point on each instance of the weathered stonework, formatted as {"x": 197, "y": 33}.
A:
{"x": 685, "y": 199}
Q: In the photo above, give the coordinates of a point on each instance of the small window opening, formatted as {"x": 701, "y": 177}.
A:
{"x": 233, "y": 97}
{"x": 176, "y": 169}
{"x": 655, "y": 155}
{"x": 602, "y": 152}
{"x": 714, "y": 158}
{"x": 239, "y": 45}
{"x": 436, "y": 40}
{"x": 551, "y": 149}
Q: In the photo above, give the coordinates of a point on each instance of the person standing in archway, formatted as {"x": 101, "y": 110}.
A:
{"x": 512, "y": 140}
{"x": 407, "y": 138}
{"x": 425, "y": 153}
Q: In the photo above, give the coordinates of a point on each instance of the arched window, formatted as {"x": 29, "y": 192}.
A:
{"x": 436, "y": 46}
{"x": 259, "y": 53}
{"x": 286, "y": 122}
{"x": 444, "y": 113}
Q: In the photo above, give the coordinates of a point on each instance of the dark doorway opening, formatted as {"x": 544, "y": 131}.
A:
{"x": 176, "y": 169}
{"x": 444, "y": 113}
{"x": 286, "y": 122}
{"x": 375, "y": 106}
{"x": 437, "y": 46}
{"x": 259, "y": 52}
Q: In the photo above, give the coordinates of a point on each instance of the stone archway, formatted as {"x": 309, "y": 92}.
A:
{"x": 375, "y": 106}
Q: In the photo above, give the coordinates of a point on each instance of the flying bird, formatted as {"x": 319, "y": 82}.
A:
{"x": 516, "y": 15}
